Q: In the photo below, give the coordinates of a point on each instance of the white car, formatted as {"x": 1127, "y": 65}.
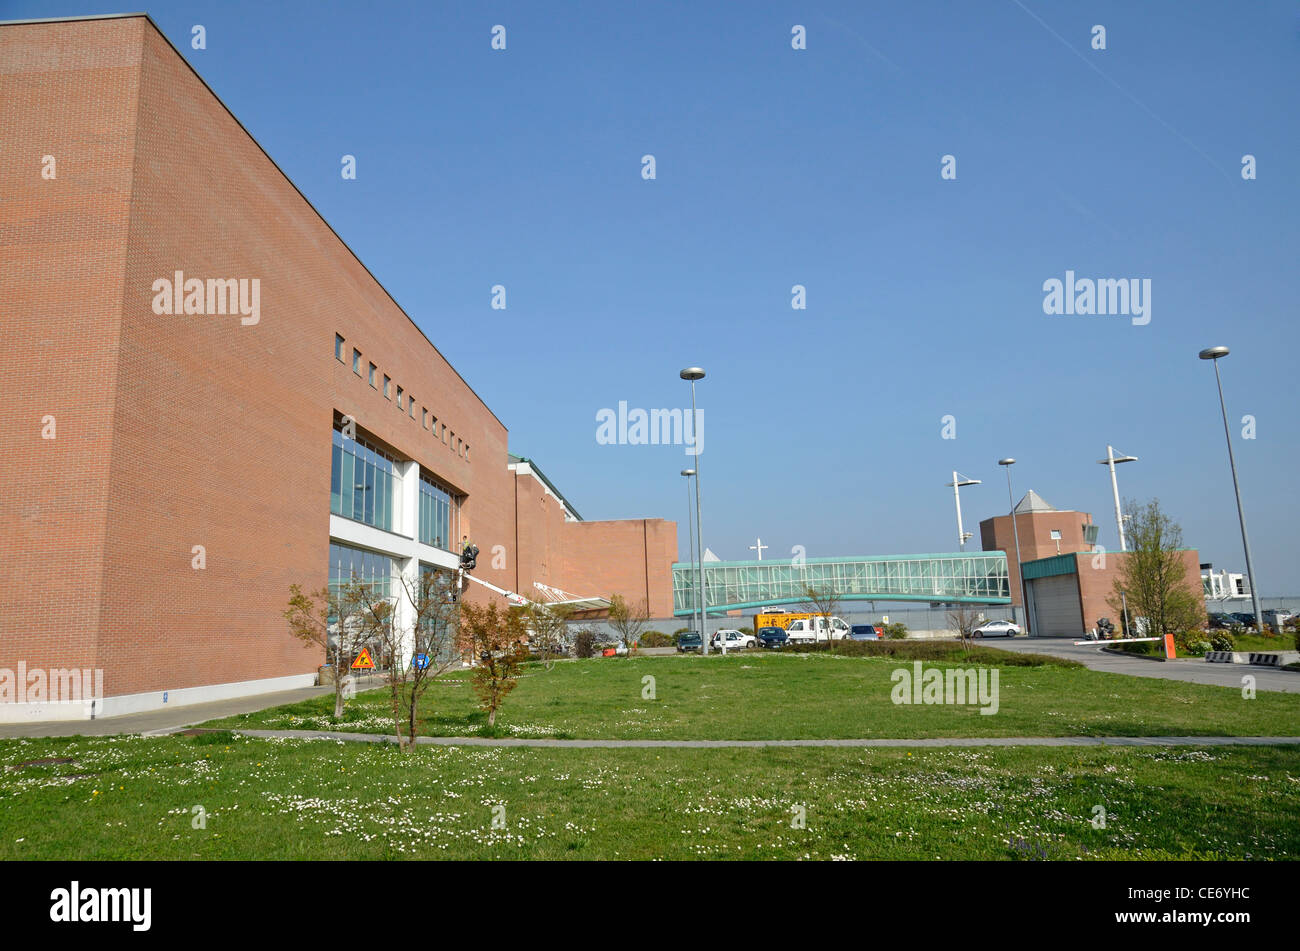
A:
{"x": 997, "y": 629}
{"x": 734, "y": 640}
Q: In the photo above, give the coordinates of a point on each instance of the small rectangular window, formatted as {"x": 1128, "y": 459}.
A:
{"x": 356, "y": 361}
{"x": 411, "y": 409}
{"x": 399, "y": 399}
{"x": 467, "y": 452}
{"x": 424, "y": 418}
{"x": 386, "y": 382}
{"x": 372, "y": 374}
{"x": 444, "y": 433}
{"x": 338, "y": 347}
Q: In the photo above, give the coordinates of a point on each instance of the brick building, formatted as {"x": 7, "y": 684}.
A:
{"x": 1044, "y": 531}
{"x": 207, "y": 397}
{"x": 1068, "y": 581}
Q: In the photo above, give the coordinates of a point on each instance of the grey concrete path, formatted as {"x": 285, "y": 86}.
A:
{"x": 172, "y": 719}
{"x": 1194, "y": 670}
{"x": 726, "y": 744}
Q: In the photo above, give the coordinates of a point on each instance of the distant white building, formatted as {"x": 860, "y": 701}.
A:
{"x": 1221, "y": 585}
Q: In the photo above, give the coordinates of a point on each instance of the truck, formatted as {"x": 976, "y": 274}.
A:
{"x": 815, "y": 628}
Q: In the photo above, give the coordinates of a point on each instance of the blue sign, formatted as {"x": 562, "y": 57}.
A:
{"x": 420, "y": 661}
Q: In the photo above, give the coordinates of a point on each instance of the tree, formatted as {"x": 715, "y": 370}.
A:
{"x": 496, "y": 640}
{"x": 824, "y": 601}
{"x": 330, "y": 619}
{"x": 1152, "y": 574}
{"x": 628, "y": 620}
{"x": 963, "y": 618}
{"x": 548, "y": 625}
{"x": 421, "y": 648}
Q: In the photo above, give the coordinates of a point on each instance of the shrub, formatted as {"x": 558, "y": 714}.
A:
{"x": 584, "y": 643}
{"x": 680, "y": 630}
{"x": 746, "y": 630}
{"x": 655, "y": 639}
{"x": 1222, "y": 641}
{"x": 895, "y": 630}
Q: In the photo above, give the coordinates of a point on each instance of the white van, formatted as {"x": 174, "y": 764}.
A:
{"x": 815, "y": 629}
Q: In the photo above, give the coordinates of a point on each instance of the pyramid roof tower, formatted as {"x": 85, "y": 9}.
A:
{"x": 1033, "y": 502}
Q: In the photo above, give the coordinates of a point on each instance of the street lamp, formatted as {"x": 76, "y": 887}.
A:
{"x": 692, "y": 374}
{"x": 957, "y": 482}
{"x": 1215, "y": 353}
{"x": 1113, "y": 460}
{"x": 1007, "y": 463}
{"x": 690, "y": 516}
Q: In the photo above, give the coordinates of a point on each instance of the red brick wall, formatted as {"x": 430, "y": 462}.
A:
{"x": 1097, "y": 578}
{"x": 996, "y": 534}
{"x": 70, "y": 92}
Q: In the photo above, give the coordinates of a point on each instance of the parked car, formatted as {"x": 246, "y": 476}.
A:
{"x": 864, "y": 632}
{"x": 734, "y": 639}
{"x": 997, "y": 629}
{"x": 1244, "y": 619}
{"x": 689, "y": 641}
{"x": 1219, "y": 620}
{"x": 772, "y": 637}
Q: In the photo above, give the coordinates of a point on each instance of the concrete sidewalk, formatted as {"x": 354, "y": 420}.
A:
{"x": 726, "y": 744}
{"x": 169, "y": 720}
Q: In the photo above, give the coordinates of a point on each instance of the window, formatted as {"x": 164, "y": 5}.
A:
{"x": 338, "y": 347}
{"x": 372, "y": 374}
{"x": 444, "y": 432}
{"x": 370, "y": 568}
{"x": 386, "y": 382}
{"x": 467, "y": 452}
{"x": 411, "y": 410}
{"x": 438, "y": 507}
{"x": 399, "y": 399}
{"x": 424, "y": 418}
{"x": 356, "y": 361}
{"x": 363, "y": 482}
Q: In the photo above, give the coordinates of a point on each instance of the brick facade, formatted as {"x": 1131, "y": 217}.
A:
{"x": 176, "y": 431}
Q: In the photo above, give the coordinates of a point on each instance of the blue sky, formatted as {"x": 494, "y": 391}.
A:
{"x": 820, "y": 167}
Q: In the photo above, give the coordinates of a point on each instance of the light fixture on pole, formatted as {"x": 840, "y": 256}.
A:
{"x": 958, "y": 480}
{"x": 1007, "y": 463}
{"x": 1215, "y": 353}
{"x": 692, "y": 374}
{"x": 758, "y": 547}
{"x": 1113, "y": 460}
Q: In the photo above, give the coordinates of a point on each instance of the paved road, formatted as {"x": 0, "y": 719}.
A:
{"x": 716, "y": 744}
{"x": 1194, "y": 670}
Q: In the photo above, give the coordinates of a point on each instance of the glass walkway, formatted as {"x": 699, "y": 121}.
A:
{"x": 975, "y": 577}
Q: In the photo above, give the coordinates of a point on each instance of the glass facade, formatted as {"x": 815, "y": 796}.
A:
{"x": 977, "y": 577}
{"x": 363, "y": 482}
{"x": 367, "y": 567}
{"x": 437, "y": 506}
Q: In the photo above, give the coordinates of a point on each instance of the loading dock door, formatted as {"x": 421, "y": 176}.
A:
{"x": 1057, "y": 611}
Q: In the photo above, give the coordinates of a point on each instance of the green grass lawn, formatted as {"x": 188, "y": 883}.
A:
{"x": 134, "y": 797}
{"x": 753, "y": 695}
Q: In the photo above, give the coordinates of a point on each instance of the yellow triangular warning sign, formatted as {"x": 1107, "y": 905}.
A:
{"x": 363, "y": 661}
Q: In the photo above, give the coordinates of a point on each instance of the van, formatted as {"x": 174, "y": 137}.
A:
{"x": 816, "y": 629}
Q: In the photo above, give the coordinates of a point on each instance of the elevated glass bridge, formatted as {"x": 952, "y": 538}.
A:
{"x": 974, "y": 578}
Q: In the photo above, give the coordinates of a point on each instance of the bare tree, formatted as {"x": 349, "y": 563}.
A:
{"x": 548, "y": 625}
{"x": 964, "y": 618}
{"x": 420, "y": 649}
{"x": 330, "y": 619}
{"x": 628, "y": 620}
{"x": 824, "y": 601}
{"x": 1152, "y": 573}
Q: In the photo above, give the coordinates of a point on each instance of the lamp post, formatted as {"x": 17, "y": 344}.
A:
{"x": 690, "y": 516}
{"x": 1214, "y": 354}
{"x": 692, "y": 374}
{"x": 1113, "y": 460}
{"x": 1007, "y": 463}
{"x": 957, "y": 482}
